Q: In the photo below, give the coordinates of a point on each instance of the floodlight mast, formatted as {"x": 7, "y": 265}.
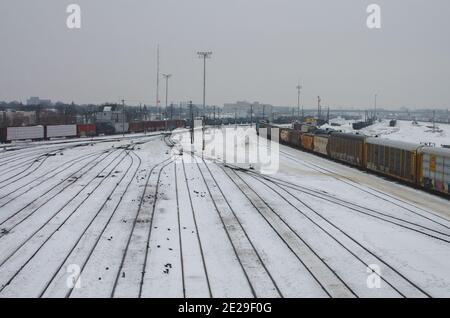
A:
{"x": 166, "y": 77}
{"x": 204, "y": 55}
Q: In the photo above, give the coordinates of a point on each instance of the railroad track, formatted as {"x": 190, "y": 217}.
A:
{"x": 59, "y": 188}
{"x": 405, "y": 287}
{"x": 326, "y": 197}
{"x": 199, "y": 241}
{"x": 49, "y": 235}
{"x": 43, "y": 239}
{"x": 378, "y": 194}
{"x": 139, "y": 238}
{"x": 330, "y": 282}
{"x": 97, "y": 235}
{"x": 258, "y": 277}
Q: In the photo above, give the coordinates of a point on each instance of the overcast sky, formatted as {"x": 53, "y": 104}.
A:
{"x": 261, "y": 48}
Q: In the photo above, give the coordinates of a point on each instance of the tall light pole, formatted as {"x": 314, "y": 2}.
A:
{"x": 299, "y": 87}
{"x": 166, "y": 77}
{"x": 204, "y": 55}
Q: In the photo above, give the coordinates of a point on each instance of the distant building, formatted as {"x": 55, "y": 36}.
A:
{"x": 113, "y": 115}
{"x": 242, "y": 108}
{"x": 34, "y": 100}
{"x": 17, "y": 118}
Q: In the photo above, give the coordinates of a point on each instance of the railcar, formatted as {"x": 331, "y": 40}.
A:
{"x": 285, "y": 136}
{"x": 392, "y": 158}
{"x": 348, "y": 148}
{"x": 22, "y": 133}
{"x": 105, "y": 129}
{"x": 321, "y": 144}
{"x": 307, "y": 141}
{"x": 86, "y": 130}
{"x": 295, "y": 138}
{"x": 136, "y": 127}
{"x": 57, "y": 131}
{"x": 434, "y": 169}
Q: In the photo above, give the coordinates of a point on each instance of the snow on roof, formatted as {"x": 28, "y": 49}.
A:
{"x": 444, "y": 152}
{"x": 393, "y": 143}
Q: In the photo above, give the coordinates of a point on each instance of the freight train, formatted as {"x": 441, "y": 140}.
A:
{"x": 82, "y": 130}
{"x": 414, "y": 164}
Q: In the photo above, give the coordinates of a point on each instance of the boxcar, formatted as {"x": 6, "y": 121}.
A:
{"x": 105, "y": 129}
{"x": 308, "y": 141}
{"x": 136, "y": 127}
{"x": 154, "y": 125}
{"x": 285, "y": 135}
{"x": 22, "y": 133}
{"x": 434, "y": 169}
{"x": 295, "y": 140}
{"x": 86, "y": 130}
{"x": 53, "y": 131}
{"x": 393, "y": 158}
{"x": 176, "y": 123}
{"x": 321, "y": 144}
{"x": 348, "y": 148}
{"x": 3, "y": 134}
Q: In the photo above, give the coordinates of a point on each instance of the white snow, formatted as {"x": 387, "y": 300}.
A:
{"x": 419, "y": 133}
{"x": 128, "y": 217}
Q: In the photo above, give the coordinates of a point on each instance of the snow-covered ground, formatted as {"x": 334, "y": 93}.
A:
{"x": 403, "y": 131}
{"x": 132, "y": 217}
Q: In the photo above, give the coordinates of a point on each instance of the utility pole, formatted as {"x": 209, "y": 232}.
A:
{"x": 204, "y": 56}
{"x": 251, "y": 115}
{"x": 318, "y": 107}
{"x": 166, "y": 77}
{"x": 157, "y": 78}
{"x": 123, "y": 118}
{"x": 192, "y": 122}
{"x": 375, "y": 115}
{"x": 299, "y": 87}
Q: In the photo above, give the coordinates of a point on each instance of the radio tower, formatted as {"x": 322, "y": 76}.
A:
{"x": 299, "y": 87}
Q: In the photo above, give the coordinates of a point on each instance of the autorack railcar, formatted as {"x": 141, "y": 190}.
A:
{"x": 393, "y": 158}
{"x": 434, "y": 169}
{"x": 348, "y": 148}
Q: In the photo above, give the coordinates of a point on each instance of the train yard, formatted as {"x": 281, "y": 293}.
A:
{"x": 137, "y": 217}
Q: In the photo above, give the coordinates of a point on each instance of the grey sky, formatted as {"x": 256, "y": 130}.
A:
{"x": 261, "y": 48}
